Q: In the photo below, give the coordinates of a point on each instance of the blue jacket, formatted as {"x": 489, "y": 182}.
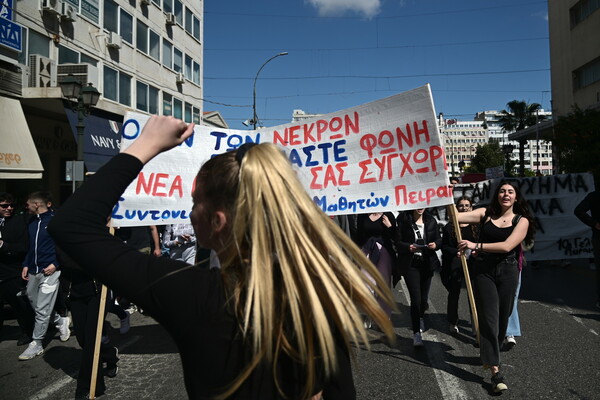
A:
{"x": 41, "y": 252}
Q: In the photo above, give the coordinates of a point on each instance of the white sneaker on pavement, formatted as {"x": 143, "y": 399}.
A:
{"x": 510, "y": 341}
{"x": 33, "y": 350}
{"x": 63, "y": 328}
{"x": 454, "y": 328}
{"x": 418, "y": 340}
{"x": 125, "y": 325}
{"x": 422, "y": 324}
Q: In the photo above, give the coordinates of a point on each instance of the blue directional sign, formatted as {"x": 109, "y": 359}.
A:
{"x": 11, "y": 34}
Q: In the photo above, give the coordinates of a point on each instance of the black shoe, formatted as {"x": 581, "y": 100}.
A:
{"x": 24, "y": 339}
{"x": 498, "y": 384}
{"x": 111, "y": 370}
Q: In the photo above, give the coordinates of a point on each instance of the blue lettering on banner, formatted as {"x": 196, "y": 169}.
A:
{"x": 351, "y": 206}
{"x": 232, "y": 142}
{"x": 321, "y": 153}
{"x": 153, "y": 215}
{"x": 134, "y": 134}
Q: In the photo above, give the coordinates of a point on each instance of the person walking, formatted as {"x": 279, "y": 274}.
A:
{"x": 588, "y": 212}
{"x": 13, "y": 248}
{"x": 40, "y": 270}
{"x": 417, "y": 238}
{"x": 452, "y": 271}
{"x": 278, "y": 318}
{"x": 504, "y": 225}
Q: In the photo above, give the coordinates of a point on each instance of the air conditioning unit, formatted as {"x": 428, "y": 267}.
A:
{"x": 51, "y": 6}
{"x": 145, "y": 2}
{"x": 42, "y": 71}
{"x": 180, "y": 78}
{"x": 170, "y": 19}
{"x": 68, "y": 12}
{"x": 83, "y": 73}
{"x": 113, "y": 40}
{"x": 12, "y": 80}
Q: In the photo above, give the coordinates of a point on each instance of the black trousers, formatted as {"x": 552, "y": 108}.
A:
{"x": 418, "y": 281}
{"x": 455, "y": 283}
{"x": 19, "y": 304}
{"x": 596, "y": 247}
{"x": 494, "y": 284}
{"x": 85, "y": 318}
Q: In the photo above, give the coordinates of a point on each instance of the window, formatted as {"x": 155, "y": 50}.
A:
{"x": 586, "y": 75}
{"x": 89, "y": 60}
{"x": 117, "y": 86}
{"x": 146, "y": 98}
{"x": 141, "y": 34}
{"x": 157, "y": 2}
{"x": 167, "y": 104}
{"x": 168, "y": 6}
{"x": 126, "y": 27}
{"x": 189, "y": 23}
{"x": 178, "y": 11}
{"x": 196, "y": 28}
{"x": 196, "y": 74}
{"x": 66, "y": 55}
{"x": 196, "y": 116}
{"x": 582, "y": 10}
{"x": 177, "y": 60}
{"x": 111, "y": 20}
{"x": 177, "y": 109}
{"x": 38, "y": 44}
{"x": 188, "y": 113}
{"x": 167, "y": 54}
{"x": 154, "y": 45}
{"x": 188, "y": 67}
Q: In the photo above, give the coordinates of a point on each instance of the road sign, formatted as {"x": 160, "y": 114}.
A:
{"x": 11, "y": 34}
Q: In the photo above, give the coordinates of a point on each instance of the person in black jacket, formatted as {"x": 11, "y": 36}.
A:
{"x": 591, "y": 204}
{"x": 13, "y": 248}
{"x": 278, "y": 320}
{"x": 417, "y": 239}
{"x": 452, "y": 271}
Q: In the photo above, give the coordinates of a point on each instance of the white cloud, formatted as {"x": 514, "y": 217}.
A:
{"x": 329, "y": 8}
{"x": 542, "y": 14}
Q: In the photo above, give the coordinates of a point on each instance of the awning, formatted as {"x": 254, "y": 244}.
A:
{"x": 543, "y": 131}
{"x": 101, "y": 137}
{"x": 19, "y": 158}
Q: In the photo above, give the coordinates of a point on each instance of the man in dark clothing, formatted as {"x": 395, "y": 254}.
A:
{"x": 591, "y": 204}
{"x": 13, "y": 247}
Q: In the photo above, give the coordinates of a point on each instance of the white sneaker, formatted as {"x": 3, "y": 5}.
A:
{"x": 510, "y": 341}
{"x": 63, "y": 328}
{"x": 454, "y": 328}
{"x": 125, "y": 325}
{"x": 422, "y": 324}
{"x": 33, "y": 350}
{"x": 418, "y": 340}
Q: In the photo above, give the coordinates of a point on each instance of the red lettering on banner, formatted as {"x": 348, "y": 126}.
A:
{"x": 316, "y": 131}
{"x": 330, "y": 175}
{"x": 281, "y": 140}
{"x": 156, "y": 184}
{"x": 403, "y": 196}
{"x": 294, "y": 136}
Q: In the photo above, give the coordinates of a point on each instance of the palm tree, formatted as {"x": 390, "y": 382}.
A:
{"x": 520, "y": 116}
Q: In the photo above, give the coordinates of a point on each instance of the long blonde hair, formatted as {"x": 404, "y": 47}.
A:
{"x": 288, "y": 264}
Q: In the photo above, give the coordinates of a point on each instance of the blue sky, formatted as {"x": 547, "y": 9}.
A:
{"x": 477, "y": 55}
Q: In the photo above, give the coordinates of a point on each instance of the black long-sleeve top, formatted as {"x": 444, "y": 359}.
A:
{"x": 189, "y": 302}
{"x": 591, "y": 203}
{"x": 450, "y": 245}
{"x": 405, "y": 236}
{"x": 13, "y": 233}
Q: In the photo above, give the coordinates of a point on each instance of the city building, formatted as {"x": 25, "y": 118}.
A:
{"x": 144, "y": 56}
{"x": 574, "y": 27}
{"x": 461, "y": 139}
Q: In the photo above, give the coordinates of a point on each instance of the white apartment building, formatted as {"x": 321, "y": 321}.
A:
{"x": 537, "y": 152}
{"x": 460, "y": 141}
{"x": 141, "y": 55}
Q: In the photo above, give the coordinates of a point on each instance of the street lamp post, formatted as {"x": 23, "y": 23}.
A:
{"x": 86, "y": 98}
{"x": 255, "y": 117}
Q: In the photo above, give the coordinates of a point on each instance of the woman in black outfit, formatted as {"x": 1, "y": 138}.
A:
{"x": 505, "y": 224}
{"x": 452, "y": 271}
{"x": 417, "y": 238}
{"x": 279, "y": 318}
{"x": 374, "y": 237}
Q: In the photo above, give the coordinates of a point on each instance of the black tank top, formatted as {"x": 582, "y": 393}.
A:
{"x": 490, "y": 233}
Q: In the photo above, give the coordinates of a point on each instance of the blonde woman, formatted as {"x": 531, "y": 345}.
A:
{"x": 278, "y": 319}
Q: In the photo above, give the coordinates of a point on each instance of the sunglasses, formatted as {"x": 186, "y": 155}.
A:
{"x": 12, "y": 205}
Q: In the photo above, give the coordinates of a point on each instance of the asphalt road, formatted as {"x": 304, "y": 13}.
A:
{"x": 556, "y": 358}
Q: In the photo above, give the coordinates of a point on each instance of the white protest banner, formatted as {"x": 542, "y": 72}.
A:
{"x": 380, "y": 156}
{"x": 552, "y": 200}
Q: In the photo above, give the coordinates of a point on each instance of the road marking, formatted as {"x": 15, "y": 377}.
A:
{"x": 452, "y": 387}
{"x": 55, "y": 387}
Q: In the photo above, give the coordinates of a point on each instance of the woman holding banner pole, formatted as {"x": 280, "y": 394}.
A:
{"x": 279, "y": 318}
{"x": 504, "y": 225}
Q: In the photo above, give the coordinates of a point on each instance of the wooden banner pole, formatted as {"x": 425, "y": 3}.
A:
{"x": 463, "y": 260}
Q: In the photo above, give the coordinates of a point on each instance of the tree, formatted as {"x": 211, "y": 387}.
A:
{"x": 577, "y": 139}
{"x": 519, "y": 116}
{"x": 487, "y": 156}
